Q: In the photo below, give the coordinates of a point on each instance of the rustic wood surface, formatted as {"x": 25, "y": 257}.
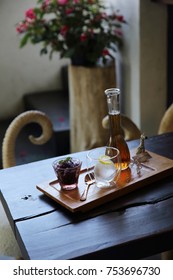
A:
{"x": 136, "y": 225}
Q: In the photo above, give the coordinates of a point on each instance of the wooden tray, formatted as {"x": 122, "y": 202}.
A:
{"x": 156, "y": 168}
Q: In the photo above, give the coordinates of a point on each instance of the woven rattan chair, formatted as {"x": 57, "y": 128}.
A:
{"x": 166, "y": 124}
{"x": 129, "y": 128}
{"x": 8, "y": 244}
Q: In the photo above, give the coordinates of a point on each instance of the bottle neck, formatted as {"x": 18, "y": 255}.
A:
{"x": 115, "y": 124}
{"x": 113, "y": 102}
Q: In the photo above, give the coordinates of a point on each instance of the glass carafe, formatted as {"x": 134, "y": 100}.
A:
{"x": 116, "y": 136}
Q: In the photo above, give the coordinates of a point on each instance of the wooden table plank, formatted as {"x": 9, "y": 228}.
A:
{"x": 46, "y": 238}
{"x": 45, "y": 230}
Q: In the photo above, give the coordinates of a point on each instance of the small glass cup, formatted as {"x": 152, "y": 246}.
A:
{"x": 106, "y": 163}
{"x": 67, "y": 170}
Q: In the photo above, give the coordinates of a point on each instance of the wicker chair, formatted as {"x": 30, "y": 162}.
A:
{"x": 166, "y": 124}
{"x": 129, "y": 128}
{"x": 8, "y": 244}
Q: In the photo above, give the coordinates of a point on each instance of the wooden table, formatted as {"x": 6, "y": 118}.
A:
{"x": 134, "y": 226}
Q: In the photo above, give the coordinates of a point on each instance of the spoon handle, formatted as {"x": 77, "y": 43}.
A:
{"x": 84, "y": 194}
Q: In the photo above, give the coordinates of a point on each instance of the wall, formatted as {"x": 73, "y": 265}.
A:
{"x": 22, "y": 70}
{"x": 141, "y": 64}
{"x": 153, "y": 64}
{"x": 129, "y": 59}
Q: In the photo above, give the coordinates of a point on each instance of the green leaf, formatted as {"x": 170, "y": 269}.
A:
{"x": 51, "y": 54}
{"x": 24, "y": 40}
{"x": 65, "y": 160}
{"x": 43, "y": 51}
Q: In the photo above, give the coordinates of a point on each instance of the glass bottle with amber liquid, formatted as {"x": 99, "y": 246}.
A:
{"x": 116, "y": 136}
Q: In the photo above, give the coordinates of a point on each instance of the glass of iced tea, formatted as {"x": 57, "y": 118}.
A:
{"x": 67, "y": 170}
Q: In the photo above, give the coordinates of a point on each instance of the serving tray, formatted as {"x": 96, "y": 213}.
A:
{"x": 130, "y": 180}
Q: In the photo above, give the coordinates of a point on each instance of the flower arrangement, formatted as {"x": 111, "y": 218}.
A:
{"x": 75, "y": 28}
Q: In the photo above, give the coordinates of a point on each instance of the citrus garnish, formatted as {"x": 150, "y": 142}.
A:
{"x": 105, "y": 159}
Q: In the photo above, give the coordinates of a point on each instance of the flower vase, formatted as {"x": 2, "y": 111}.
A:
{"x": 88, "y": 105}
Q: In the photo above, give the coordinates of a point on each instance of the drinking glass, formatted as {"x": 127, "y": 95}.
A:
{"x": 67, "y": 170}
{"x": 106, "y": 165}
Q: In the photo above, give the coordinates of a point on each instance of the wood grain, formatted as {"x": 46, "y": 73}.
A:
{"x": 129, "y": 234}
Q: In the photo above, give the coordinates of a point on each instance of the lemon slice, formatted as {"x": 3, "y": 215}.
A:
{"x": 105, "y": 159}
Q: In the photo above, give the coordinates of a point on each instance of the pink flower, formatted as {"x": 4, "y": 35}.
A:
{"x": 83, "y": 37}
{"x": 105, "y": 52}
{"x": 100, "y": 16}
{"x": 46, "y": 4}
{"x": 69, "y": 11}
{"x": 62, "y": 2}
{"x": 104, "y": 15}
{"x": 21, "y": 27}
{"x": 64, "y": 30}
{"x": 75, "y": 1}
{"x": 119, "y": 32}
{"x": 30, "y": 14}
{"x": 120, "y": 18}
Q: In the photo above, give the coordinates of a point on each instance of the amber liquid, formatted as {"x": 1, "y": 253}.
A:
{"x": 117, "y": 140}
